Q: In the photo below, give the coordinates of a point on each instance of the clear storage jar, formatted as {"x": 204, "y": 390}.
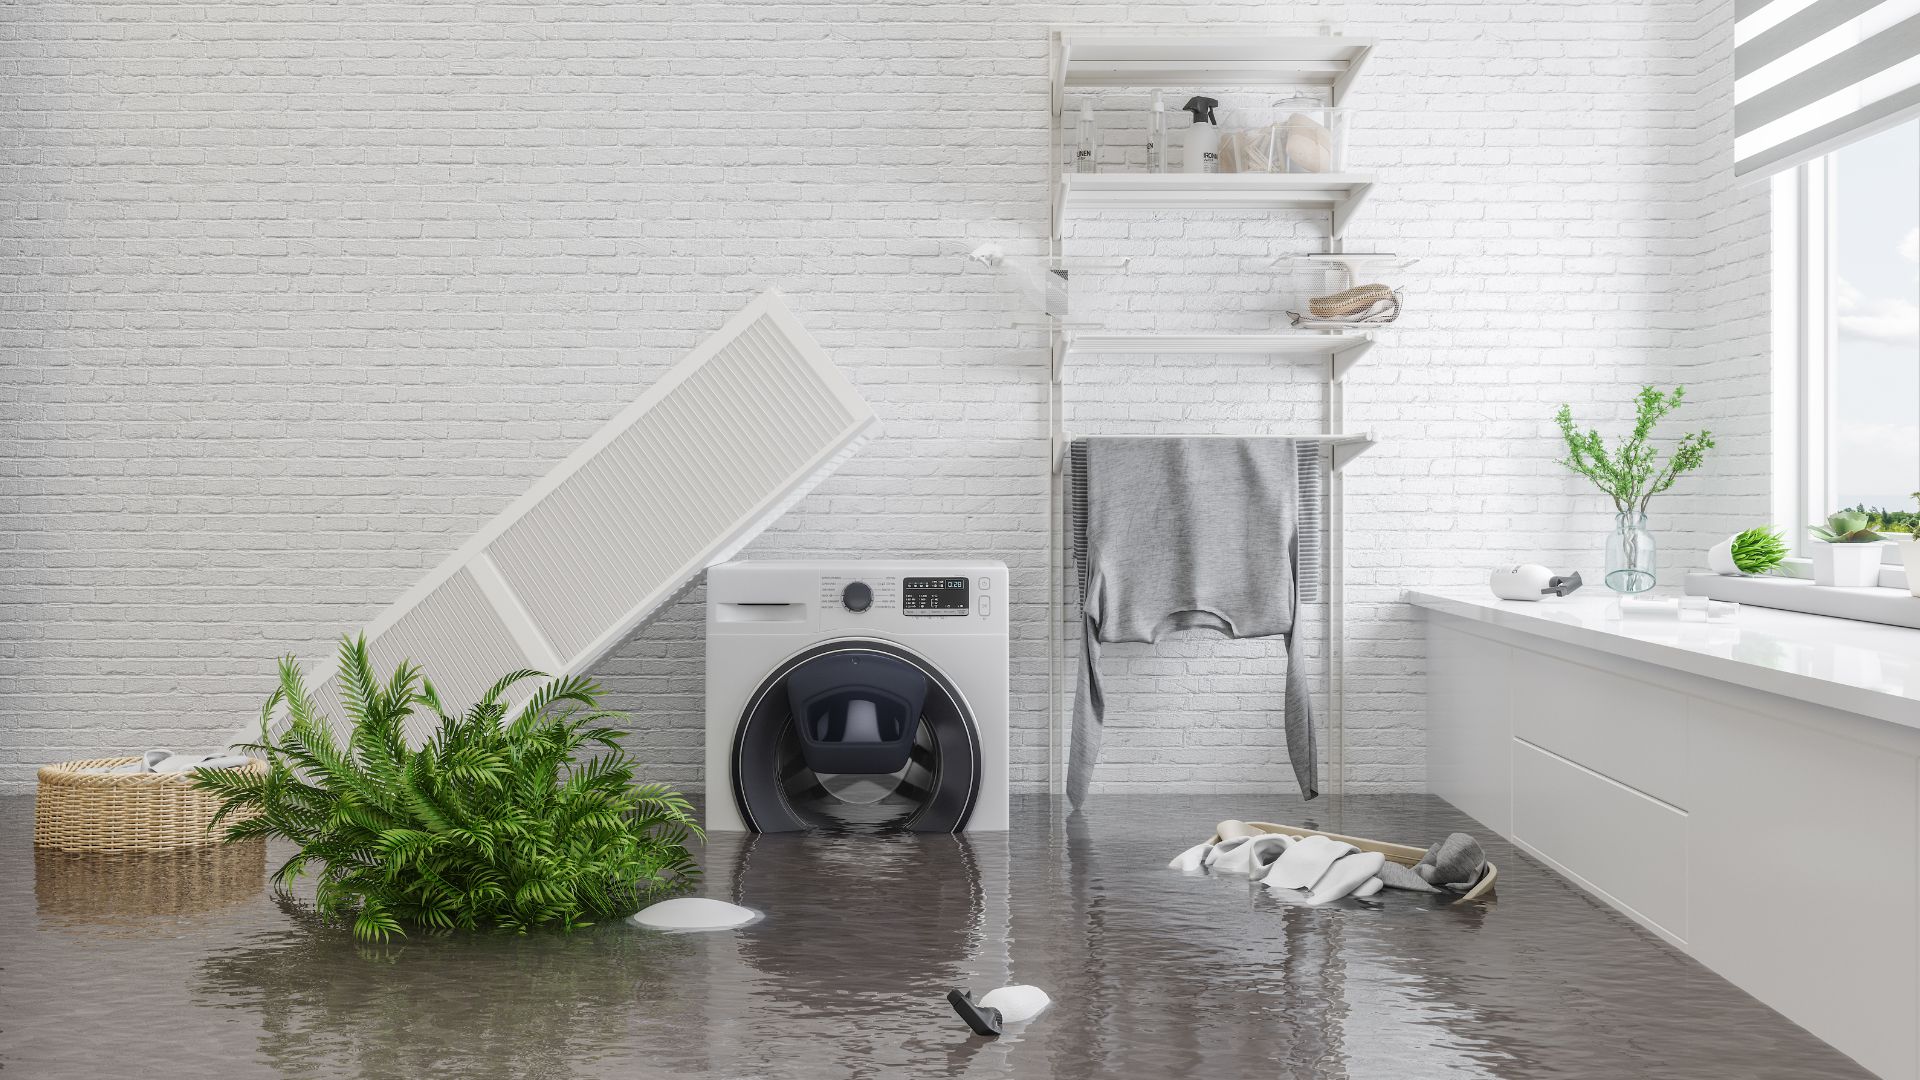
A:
{"x": 1342, "y": 291}
{"x": 1294, "y": 136}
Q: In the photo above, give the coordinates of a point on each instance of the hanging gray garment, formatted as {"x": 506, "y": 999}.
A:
{"x": 1192, "y": 533}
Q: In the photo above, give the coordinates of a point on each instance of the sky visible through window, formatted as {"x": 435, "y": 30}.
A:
{"x": 1874, "y": 429}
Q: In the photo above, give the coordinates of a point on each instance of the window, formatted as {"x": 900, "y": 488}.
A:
{"x": 1847, "y": 252}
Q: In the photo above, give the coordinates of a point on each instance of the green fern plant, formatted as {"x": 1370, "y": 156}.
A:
{"x": 1759, "y": 551}
{"x": 493, "y": 823}
{"x": 1631, "y": 473}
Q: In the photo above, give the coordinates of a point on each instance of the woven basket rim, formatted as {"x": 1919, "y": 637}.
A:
{"x": 74, "y": 774}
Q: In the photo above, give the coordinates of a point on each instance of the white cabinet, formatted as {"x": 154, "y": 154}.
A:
{"x": 1775, "y": 841}
{"x": 1615, "y": 840}
{"x": 1803, "y": 845}
{"x": 1467, "y": 733}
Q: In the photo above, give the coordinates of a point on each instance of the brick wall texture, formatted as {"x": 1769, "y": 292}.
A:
{"x": 294, "y": 296}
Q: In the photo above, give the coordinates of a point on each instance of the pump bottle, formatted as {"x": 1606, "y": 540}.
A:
{"x": 1083, "y": 154}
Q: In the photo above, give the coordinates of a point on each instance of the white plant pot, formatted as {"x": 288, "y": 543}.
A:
{"x": 1720, "y": 557}
{"x": 1910, "y": 558}
{"x": 1846, "y": 566}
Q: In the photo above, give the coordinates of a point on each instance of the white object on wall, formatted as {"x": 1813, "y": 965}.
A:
{"x": 680, "y": 480}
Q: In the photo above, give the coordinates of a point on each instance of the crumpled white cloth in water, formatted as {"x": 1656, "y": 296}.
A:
{"x": 1249, "y": 856}
{"x": 1320, "y": 869}
{"x": 166, "y": 761}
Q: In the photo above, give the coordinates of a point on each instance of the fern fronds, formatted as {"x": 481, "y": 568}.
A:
{"x": 488, "y": 824}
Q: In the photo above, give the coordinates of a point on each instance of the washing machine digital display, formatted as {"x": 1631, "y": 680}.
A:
{"x": 935, "y": 596}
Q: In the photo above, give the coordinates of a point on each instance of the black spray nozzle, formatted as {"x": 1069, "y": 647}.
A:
{"x": 983, "y": 1019}
{"x": 1561, "y": 586}
{"x": 1202, "y": 109}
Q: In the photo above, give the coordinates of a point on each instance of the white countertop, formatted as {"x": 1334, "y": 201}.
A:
{"x": 1858, "y": 667}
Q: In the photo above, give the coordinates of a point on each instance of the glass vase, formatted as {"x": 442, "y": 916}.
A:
{"x": 1630, "y": 566}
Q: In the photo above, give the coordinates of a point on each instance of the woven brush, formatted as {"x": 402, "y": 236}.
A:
{"x": 1359, "y": 298}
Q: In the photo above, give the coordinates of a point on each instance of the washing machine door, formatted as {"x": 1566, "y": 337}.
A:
{"x": 856, "y": 736}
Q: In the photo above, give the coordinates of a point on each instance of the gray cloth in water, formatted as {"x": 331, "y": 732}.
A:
{"x": 1184, "y": 534}
{"x": 1452, "y": 865}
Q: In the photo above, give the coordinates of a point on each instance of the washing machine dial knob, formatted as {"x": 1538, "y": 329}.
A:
{"x": 857, "y": 596}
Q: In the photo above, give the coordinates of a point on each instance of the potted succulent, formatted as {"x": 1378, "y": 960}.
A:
{"x": 1753, "y": 552}
{"x": 1848, "y": 555}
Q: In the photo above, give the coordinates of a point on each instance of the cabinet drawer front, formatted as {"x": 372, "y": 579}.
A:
{"x": 1622, "y": 842}
{"x": 1617, "y": 726}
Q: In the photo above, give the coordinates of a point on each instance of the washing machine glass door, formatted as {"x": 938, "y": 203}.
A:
{"x": 856, "y": 736}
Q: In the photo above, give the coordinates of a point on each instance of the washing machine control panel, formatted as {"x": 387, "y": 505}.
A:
{"x": 955, "y": 601}
{"x": 936, "y": 596}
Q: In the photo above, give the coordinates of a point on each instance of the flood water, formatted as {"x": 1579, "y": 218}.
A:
{"x": 186, "y": 967}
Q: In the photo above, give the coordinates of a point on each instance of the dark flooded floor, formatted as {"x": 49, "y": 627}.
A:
{"x": 189, "y": 969}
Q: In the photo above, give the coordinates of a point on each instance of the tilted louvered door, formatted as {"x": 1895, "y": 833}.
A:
{"x": 682, "y": 479}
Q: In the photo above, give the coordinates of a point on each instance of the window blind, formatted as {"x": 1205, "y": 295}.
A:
{"x": 1811, "y": 76}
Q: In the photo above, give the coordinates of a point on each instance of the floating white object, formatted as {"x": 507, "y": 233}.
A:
{"x": 1306, "y": 862}
{"x": 1191, "y": 860}
{"x": 680, "y": 480}
{"x": 1017, "y": 1004}
{"x": 1346, "y": 875}
{"x": 693, "y": 913}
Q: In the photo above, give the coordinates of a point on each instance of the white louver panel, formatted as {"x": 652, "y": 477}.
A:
{"x": 1811, "y": 76}
{"x": 682, "y": 479}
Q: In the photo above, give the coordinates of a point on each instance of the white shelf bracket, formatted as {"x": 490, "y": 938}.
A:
{"x": 1344, "y": 81}
{"x": 1345, "y": 452}
{"x": 1344, "y": 210}
{"x": 1347, "y": 355}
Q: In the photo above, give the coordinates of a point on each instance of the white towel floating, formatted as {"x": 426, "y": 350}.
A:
{"x": 1306, "y": 862}
{"x": 691, "y": 913}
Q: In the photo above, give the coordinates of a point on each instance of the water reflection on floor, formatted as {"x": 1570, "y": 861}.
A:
{"x": 187, "y": 968}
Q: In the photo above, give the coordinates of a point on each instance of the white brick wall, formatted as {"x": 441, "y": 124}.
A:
{"x": 296, "y": 295}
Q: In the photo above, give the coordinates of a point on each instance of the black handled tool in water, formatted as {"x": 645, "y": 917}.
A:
{"x": 982, "y": 1019}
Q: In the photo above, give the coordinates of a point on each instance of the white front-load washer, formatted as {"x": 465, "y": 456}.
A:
{"x": 857, "y": 695}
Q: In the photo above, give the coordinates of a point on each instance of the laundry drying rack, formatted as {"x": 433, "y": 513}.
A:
{"x": 1146, "y": 58}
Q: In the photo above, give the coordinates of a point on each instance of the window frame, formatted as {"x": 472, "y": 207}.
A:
{"x": 1803, "y": 341}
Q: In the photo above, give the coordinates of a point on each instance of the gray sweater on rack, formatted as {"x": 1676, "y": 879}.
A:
{"x": 1193, "y": 533}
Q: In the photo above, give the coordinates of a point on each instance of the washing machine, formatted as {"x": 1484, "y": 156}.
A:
{"x": 860, "y": 695}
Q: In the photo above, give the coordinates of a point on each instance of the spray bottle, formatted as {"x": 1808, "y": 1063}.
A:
{"x": 1201, "y": 154}
{"x": 1083, "y": 154}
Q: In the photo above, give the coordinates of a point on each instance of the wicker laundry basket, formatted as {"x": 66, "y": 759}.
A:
{"x": 122, "y": 813}
{"x": 1400, "y": 853}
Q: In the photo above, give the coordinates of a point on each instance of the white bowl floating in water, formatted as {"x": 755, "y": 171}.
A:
{"x": 687, "y": 913}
